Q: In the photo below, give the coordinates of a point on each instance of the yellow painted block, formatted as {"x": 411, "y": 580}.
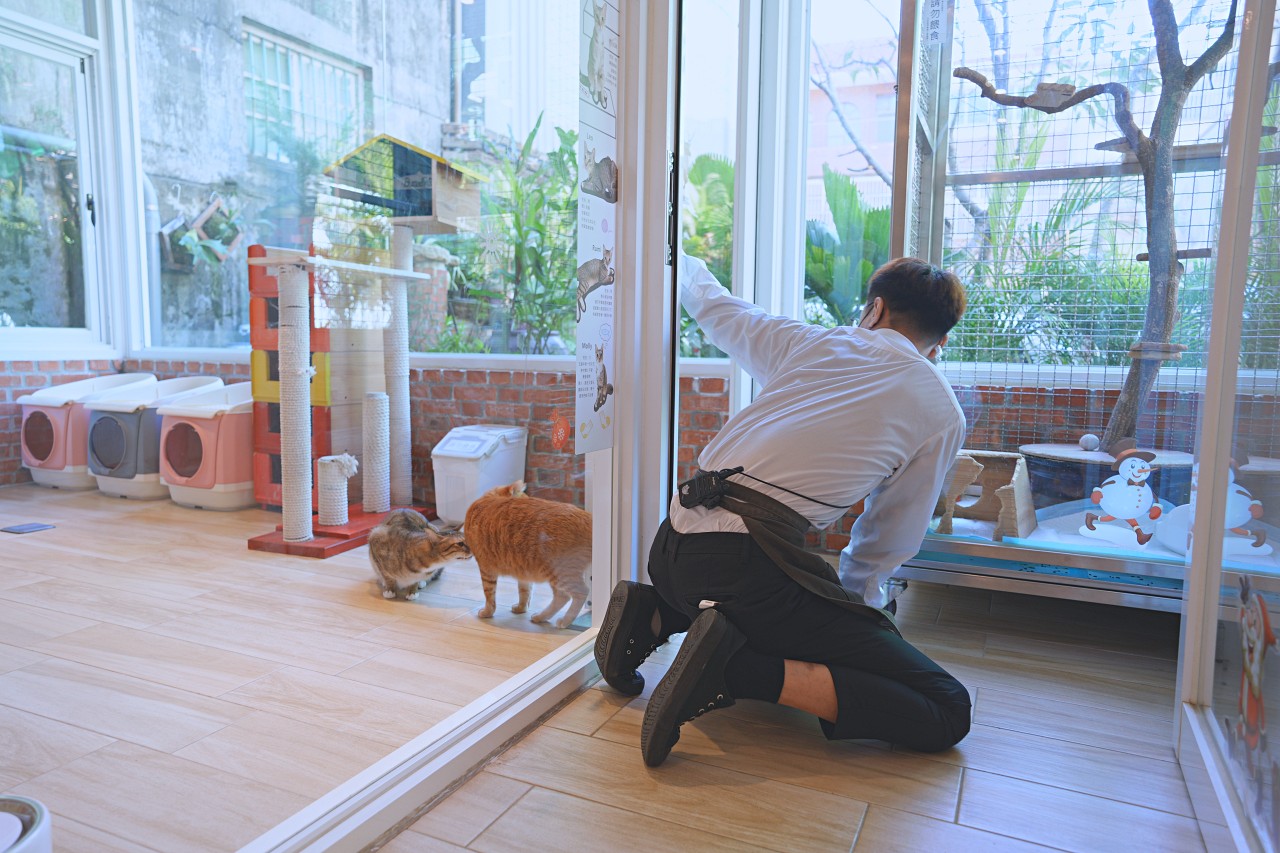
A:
{"x": 264, "y": 373}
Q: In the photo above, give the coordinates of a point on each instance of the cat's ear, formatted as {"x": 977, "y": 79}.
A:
{"x": 517, "y": 488}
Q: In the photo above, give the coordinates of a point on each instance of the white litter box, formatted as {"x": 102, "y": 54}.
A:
{"x": 471, "y": 460}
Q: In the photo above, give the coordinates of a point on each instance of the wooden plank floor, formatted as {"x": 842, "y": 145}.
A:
{"x": 1070, "y": 750}
{"x": 164, "y": 688}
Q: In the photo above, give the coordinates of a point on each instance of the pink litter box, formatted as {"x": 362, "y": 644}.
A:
{"x": 55, "y": 423}
{"x": 206, "y": 448}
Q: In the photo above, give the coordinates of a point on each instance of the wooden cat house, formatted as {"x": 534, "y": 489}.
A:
{"x": 414, "y": 186}
{"x": 987, "y": 485}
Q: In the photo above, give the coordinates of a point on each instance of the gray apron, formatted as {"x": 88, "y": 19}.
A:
{"x": 779, "y": 531}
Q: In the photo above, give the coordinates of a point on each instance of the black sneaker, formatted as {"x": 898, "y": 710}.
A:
{"x": 694, "y": 685}
{"x": 626, "y": 638}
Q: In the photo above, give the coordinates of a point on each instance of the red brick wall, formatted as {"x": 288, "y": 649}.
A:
{"x": 22, "y": 377}
{"x": 999, "y": 418}
{"x": 444, "y": 399}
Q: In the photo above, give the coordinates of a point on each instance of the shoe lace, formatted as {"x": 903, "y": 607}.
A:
{"x": 652, "y": 648}
{"x": 709, "y": 706}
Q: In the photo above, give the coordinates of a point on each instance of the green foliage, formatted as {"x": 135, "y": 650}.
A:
{"x": 838, "y": 263}
{"x": 455, "y": 339}
{"x": 708, "y": 235}
{"x": 1041, "y": 288}
{"x": 537, "y": 204}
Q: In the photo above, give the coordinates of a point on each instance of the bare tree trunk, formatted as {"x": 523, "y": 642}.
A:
{"x": 1155, "y": 157}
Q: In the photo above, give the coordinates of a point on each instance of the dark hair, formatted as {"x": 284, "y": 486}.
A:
{"x": 925, "y": 299}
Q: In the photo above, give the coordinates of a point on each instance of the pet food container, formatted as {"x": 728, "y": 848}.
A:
{"x": 55, "y": 424}
{"x": 471, "y": 460}
{"x": 124, "y": 435}
{"x": 206, "y": 448}
{"x": 30, "y": 820}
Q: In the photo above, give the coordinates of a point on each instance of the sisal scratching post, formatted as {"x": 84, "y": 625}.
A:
{"x": 333, "y": 473}
{"x": 377, "y": 461}
{"x": 295, "y": 403}
{"x": 395, "y": 348}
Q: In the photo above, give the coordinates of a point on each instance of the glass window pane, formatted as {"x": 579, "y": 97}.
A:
{"x": 1079, "y": 359}
{"x": 708, "y": 145}
{"x": 42, "y": 275}
{"x": 70, "y": 14}
{"x": 849, "y": 164}
{"x": 1245, "y": 664}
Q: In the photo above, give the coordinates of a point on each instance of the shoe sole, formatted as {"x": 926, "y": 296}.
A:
{"x": 612, "y": 619}
{"x": 661, "y": 714}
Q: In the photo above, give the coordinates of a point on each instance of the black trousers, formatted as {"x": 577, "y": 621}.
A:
{"x": 887, "y": 689}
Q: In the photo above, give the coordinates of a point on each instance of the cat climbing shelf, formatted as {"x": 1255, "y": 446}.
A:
{"x": 331, "y": 379}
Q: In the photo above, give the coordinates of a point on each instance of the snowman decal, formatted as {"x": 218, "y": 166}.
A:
{"x": 1242, "y": 507}
{"x": 1126, "y": 496}
{"x": 1256, "y": 637}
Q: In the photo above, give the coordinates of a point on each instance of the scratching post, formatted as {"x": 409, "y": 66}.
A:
{"x": 395, "y": 344}
{"x": 295, "y": 402}
{"x": 377, "y": 460}
{"x": 333, "y": 473}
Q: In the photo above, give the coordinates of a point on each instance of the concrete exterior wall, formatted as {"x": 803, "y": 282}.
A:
{"x": 195, "y": 133}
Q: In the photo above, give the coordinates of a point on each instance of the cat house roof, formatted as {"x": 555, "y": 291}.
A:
{"x": 406, "y": 181}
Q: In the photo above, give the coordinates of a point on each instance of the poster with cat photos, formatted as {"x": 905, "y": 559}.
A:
{"x": 598, "y": 62}
{"x": 595, "y": 279}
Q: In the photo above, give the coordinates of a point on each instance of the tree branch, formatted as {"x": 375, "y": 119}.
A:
{"x": 1213, "y": 55}
{"x": 1119, "y": 93}
{"x": 825, "y": 85}
{"x": 1168, "y": 50}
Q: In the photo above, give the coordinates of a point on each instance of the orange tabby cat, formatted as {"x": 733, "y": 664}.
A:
{"x": 531, "y": 539}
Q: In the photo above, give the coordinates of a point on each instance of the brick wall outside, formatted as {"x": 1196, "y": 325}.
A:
{"x": 999, "y": 418}
{"x": 22, "y": 377}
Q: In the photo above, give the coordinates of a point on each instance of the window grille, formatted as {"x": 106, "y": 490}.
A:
{"x": 297, "y": 99}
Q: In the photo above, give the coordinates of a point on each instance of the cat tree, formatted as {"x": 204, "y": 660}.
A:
{"x": 387, "y": 439}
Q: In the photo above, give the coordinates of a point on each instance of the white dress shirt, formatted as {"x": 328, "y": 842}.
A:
{"x": 843, "y": 414}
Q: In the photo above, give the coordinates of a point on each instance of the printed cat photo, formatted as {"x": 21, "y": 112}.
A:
{"x": 601, "y": 178}
{"x": 603, "y": 387}
{"x": 533, "y": 540}
{"x": 593, "y": 274}
{"x": 596, "y": 81}
{"x": 407, "y": 553}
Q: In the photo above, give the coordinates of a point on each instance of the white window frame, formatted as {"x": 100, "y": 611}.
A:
{"x": 102, "y": 252}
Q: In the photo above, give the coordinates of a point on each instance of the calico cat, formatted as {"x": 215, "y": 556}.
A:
{"x": 531, "y": 539}
{"x": 596, "y": 57}
{"x": 591, "y": 275}
{"x": 603, "y": 386}
{"x": 602, "y": 177}
{"x": 407, "y": 553}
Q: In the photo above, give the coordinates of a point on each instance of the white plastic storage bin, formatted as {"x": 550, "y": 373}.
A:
{"x": 55, "y": 423}
{"x": 471, "y": 460}
{"x": 124, "y": 435}
{"x": 30, "y": 820}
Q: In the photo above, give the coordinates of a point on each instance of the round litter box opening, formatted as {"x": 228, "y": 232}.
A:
{"x": 106, "y": 442}
{"x": 183, "y": 450}
{"x": 37, "y": 435}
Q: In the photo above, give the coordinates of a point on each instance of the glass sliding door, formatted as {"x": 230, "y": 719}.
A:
{"x": 1233, "y": 516}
